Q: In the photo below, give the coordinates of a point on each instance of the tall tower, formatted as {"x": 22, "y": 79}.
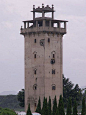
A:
{"x": 43, "y": 56}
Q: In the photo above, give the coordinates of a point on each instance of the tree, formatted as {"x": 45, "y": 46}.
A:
{"x": 69, "y": 107}
{"x": 75, "y": 108}
{"x": 29, "y": 111}
{"x": 45, "y": 107}
{"x": 49, "y": 106}
{"x": 38, "y": 109}
{"x": 69, "y": 91}
{"x": 83, "y": 112}
{"x": 20, "y": 97}
{"x": 61, "y": 106}
{"x": 54, "y": 106}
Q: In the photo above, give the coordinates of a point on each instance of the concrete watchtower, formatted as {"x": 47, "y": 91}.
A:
{"x": 43, "y": 56}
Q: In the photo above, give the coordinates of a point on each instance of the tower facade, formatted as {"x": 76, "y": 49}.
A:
{"x": 43, "y": 56}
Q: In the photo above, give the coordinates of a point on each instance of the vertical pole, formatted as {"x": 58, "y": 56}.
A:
{"x": 42, "y": 14}
{"x": 28, "y": 24}
{"x": 33, "y": 15}
{"x": 33, "y": 12}
{"x": 58, "y": 24}
{"x": 24, "y": 25}
{"x": 36, "y": 24}
{"x": 52, "y": 15}
{"x": 65, "y": 25}
{"x": 52, "y": 11}
{"x": 43, "y": 24}
{"x": 50, "y": 23}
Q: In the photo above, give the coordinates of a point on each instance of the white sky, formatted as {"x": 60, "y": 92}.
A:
{"x": 12, "y": 43}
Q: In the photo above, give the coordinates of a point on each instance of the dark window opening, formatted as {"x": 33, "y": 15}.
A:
{"x": 35, "y": 87}
{"x": 34, "y": 40}
{"x": 53, "y": 55}
{"x": 53, "y": 71}
{"x": 52, "y": 61}
{"x": 34, "y": 71}
{"x": 35, "y": 104}
{"x": 47, "y": 23}
{"x": 34, "y": 55}
{"x": 48, "y": 40}
{"x": 40, "y": 23}
{"x": 53, "y": 87}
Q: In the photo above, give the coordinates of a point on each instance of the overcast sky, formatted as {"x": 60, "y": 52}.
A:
{"x": 13, "y": 12}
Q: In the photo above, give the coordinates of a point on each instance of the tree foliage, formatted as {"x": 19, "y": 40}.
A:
{"x": 45, "y": 107}
{"x": 49, "y": 106}
{"x": 83, "y": 112}
{"x": 69, "y": 107}
{"x": 70, "y": 91}
{"x": 75, "y": 108}
{"x": 61, "y": 106}
{"x": 54, "y": 106}
{"x": 6, "y": 112}
{"x": 20, "y": 97}
{"x": 38, "y": 109}
{"x": 28, "y": 110}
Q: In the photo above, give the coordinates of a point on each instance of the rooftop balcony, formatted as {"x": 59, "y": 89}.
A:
{"x": 49, "y": 26}
{"x": 41, "y": 29}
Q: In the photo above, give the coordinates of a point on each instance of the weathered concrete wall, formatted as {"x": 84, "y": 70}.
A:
{"x": 43, "y": 77}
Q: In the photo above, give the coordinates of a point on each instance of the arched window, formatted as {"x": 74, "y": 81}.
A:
{"x": 53, "y": 87}
{"x": 35, "y": 87}
{"x": 35, "y": 54}
{"x": 53, "y": 54}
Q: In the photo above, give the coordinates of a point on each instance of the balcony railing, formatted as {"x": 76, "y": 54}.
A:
{"x": 42, "y": 29}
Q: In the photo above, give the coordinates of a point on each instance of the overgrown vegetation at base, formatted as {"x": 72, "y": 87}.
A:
{"x": 6, "y": 112}
{"x": 69, "y": 91}
{"x": 58, "y": 109}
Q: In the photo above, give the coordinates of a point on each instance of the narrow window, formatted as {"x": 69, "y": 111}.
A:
{"x": 53, "y": 71}
{"x": 35, "y": 87}
{"x": 35, "y": 71}
{"x": 35, "y": 104}
{"x": 53, "y": 87}
{"x": 34, "y": 55}
{"x": 48, "y": 40}
{"x": 53, "y": 55}
{"x": 34, "y": 40}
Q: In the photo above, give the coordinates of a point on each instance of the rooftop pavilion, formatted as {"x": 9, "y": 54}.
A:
{"x": 44, "y": 24}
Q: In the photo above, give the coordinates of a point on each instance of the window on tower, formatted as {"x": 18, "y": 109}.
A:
{"x": 53, "y": 71}
{"x": 35, "y": 104}
{"x": 35, "y": 71}
{"x": 53, "y": 55}
{"x": 53, "y": 87}
{"x": 34, "y": 55}
{"x": 34, "y": 40}
{"x": 48, "y": 40}
{"x": 35, "y": 87}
